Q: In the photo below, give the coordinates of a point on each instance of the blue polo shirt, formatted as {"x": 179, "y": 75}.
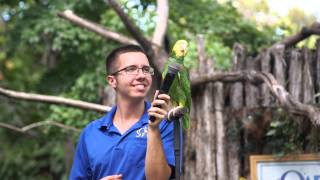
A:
{"x": 102, "y": 150}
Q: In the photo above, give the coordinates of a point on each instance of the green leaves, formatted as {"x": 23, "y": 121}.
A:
{"x": 283, "y": 135}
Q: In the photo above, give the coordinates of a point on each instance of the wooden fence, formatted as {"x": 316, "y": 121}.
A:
{"x": 229, "y": 121}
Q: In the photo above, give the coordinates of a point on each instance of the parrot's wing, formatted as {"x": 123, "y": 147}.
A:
{"x": 186, "y": 88}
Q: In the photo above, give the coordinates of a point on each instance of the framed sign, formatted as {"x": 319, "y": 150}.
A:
{"x": 292, "y": 167}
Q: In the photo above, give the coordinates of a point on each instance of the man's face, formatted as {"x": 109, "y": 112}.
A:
{"x": 131, "y": 85}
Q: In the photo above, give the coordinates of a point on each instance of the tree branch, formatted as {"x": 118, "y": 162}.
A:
{"x": 162, "y": 22}
{"x": 304, "y": 33}
{"x": 91, "y": 26}
{"x": 284, "y": 98}
{"x": 54, "y": 100}
{"x": 155, "y": 60}
{"x": 132, "y": 28}
{"x": 37, "y": 124}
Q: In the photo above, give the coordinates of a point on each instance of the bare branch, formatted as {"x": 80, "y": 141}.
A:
{"x": 132, "y": 28}
{"x": 37, "y": 124}
{"x": 284, "y": 98}
{"x": 162, "y": 22}
{"x": 91, "y": 26}
{"x": 54, "y": 100}
{"x": 304, "y": 33}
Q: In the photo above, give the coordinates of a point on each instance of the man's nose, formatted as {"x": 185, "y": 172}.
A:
{"x": 140, "y": 73}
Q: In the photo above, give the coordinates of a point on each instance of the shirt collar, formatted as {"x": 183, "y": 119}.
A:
{"x": 107, "y": 122}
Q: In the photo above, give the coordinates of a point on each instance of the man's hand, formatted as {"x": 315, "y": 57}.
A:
{"x": 113, "y": 177}
{"x": 158, "y": 112}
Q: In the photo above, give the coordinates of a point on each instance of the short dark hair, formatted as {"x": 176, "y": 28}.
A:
{"x": 114, "y": 54}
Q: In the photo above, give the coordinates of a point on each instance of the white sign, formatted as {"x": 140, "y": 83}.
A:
{"x": 302, "y": 167}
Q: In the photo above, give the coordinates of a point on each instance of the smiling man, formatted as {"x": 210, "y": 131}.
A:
{"x": 124, "y": 144}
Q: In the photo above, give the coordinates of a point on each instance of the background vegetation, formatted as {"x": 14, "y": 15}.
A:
{"x": 42, "y": 53}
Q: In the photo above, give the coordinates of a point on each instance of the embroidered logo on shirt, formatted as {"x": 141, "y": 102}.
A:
{"x": 142, "y": 132}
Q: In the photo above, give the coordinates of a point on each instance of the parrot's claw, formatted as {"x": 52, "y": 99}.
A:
{"x": 176, "y": 112}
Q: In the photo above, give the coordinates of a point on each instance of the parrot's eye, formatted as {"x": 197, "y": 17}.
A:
{"x": 134, "y": 70}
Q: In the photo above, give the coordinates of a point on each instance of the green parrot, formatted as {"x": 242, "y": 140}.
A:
{"x": 180, "y": 91}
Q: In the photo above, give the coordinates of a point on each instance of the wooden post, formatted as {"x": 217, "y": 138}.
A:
{"x": 317, "y": 74}
{"x": 200, "y": 143}
{"x": 221, "y": 153}
{"x": 266, "y": 98}
{"x": 251, "y": 91}
{"x": 307, "y": 82}
{"x": 279, "y": 64}
{"x": 233, "y": 124}
{"x": 295, "y": 76}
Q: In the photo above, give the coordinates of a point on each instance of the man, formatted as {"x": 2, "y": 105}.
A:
{"x": 124, "y": 144}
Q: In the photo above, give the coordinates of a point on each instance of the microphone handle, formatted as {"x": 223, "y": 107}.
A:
{"x": 164, "y": 89}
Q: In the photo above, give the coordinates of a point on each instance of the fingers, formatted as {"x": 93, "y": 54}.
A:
{"x": 159, "y": 108}
{"x": 160, "y": 104}
{"x": 158, "y": 113}
{"x": 156, "y": 94}
{"x": 161, "y": 101}
{"x": 113, "y": 177}
{"x": 164, "y": 97}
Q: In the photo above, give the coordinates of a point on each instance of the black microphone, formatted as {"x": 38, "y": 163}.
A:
{"x": 173, "y": 69}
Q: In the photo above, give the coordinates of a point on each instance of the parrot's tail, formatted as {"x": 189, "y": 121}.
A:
{"x": 186, "y": 121}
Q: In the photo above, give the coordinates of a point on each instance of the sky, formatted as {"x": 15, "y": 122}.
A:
{"x": 282, "y": 6}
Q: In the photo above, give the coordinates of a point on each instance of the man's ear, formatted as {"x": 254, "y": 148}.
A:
{"x": 112, "y": 81}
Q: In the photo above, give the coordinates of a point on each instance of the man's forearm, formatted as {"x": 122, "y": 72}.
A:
{"x": 156, "y": 166}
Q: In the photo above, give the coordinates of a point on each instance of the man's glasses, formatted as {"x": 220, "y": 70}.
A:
{"x": 134, "y": 70}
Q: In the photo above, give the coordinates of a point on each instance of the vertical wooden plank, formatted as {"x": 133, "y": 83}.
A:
{"x": 266, "y": 98}
{"x": 317, "y": 70}
{"x": 221, "y": 153}
{"x": 295, "y": 74}
{"x": 233, "y": 124}
{"x": 279, "y": 64}
{"x": 239, "y": 54}
{"x": 251, "y": 91}
{"x": 307, "y": 82}
{"x": 201, "y": 54}
{"x": 200, "y": 146}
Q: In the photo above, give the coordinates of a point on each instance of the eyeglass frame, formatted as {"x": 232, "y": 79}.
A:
{"x": 151, "y": 70}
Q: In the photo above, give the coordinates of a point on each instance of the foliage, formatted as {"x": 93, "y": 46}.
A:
{"x": 42, "y": 53}
{"x": 294, "y": 22}
{"x": 282, "y": 136}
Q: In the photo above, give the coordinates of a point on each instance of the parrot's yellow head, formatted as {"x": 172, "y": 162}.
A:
{"x": 180, "y": 48}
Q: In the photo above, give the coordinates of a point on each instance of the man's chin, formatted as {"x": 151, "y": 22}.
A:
{"x": 139, "y": 95}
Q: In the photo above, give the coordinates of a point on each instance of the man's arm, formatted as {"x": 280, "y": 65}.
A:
{"x": 156, "y": 165}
